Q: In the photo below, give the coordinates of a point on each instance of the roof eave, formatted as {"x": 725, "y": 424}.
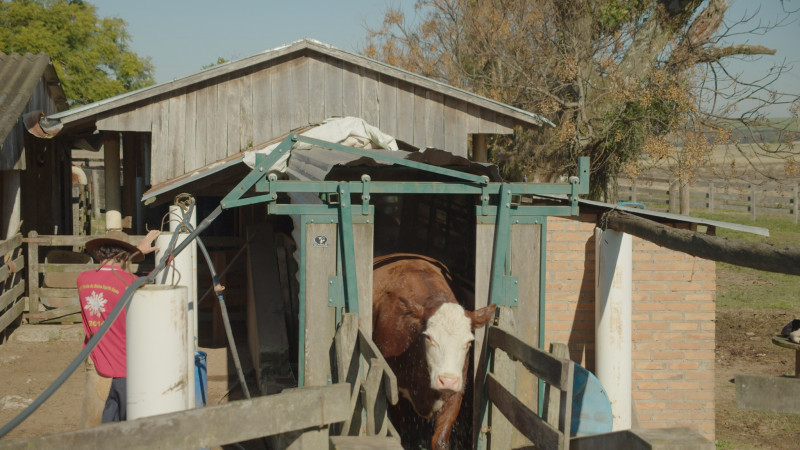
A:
{"x": 123, "y": 100}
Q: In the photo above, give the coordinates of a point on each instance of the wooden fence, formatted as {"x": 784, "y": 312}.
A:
{"x": 12, "y": 284}
{"x": 552, "y": 431}
{"x": 228, "y": 423}
{"x": 663, "y": 195}
{"x": 54, "y": 263}
{"x": 557, "y": 371}
{"x": 372, "y": 389}
{"x": 52, "y": 291}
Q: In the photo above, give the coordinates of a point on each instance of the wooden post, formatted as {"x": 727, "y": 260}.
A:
{"x": 711, "y": 197}
{"x": 752, "y": 202}
{"x": 11, "y": 203}
{"x": 673, "y": 196}
{"x": 484, "y": 238}
{"x": 33, "y": 273}
{"x": 505, "y": 372}
{"x": 634, "y": 193}
{"x": 363, "y": 236}
{"x": 111, "y": 169}
{"x": 480, "y": 152}
{"x": 796, "y": 206}
{"x": 320, "y": 265}
{"x": 686, "y": 198}
{"x": 129, "y": 198}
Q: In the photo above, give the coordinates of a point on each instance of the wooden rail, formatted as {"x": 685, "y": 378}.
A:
{"x": 61, "y": 304}
{"x": 239, "y": 421}
{"x": 54, "y": 303}
{"x": 553, "y": 431}
{"x": 372, "y": 389}
{"x": 12, "y": 283}
{"x": 556, "y": 372}
{"x": 661, "y": 195}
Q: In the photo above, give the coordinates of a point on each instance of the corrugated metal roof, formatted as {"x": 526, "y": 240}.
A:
{"x": 314, "y": 164}
{"x": 222, "y": 70}
{"x": 19, "y": 75}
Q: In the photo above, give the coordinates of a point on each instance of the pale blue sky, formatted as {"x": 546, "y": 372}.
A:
{"x": 182, "y": 36}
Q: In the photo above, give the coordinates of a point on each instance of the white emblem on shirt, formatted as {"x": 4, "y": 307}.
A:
{"x": 95, "y": 304}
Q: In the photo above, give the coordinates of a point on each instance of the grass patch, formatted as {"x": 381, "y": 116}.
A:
{"x": 741, "y": 287}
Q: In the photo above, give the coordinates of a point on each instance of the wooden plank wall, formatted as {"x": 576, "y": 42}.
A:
{"x": 11, "y": 158}
{"x": 525, "y": 264}
{"x": 218, "y": 118}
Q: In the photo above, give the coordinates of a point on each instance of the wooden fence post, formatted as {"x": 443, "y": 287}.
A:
{"x": 673, "y": 196}
{"x": 752, "y": 202}
{"x": 711, "y": 197}
{"x": 634, "y": 195}
{"x": 686, "y": 198}
{"x": 33, "y": 273}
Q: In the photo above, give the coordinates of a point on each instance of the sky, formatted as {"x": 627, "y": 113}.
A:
{"x": 182, "y": 36}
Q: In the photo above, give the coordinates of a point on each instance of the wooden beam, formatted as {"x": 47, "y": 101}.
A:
{"x": 540, "y": 433}
{"x": 768, "y": 393}
{"x": 546, "y": 366}
{"x": 210, "y": 426}
{"x": 641, "y": 439}
{"x": 754, "y": 255}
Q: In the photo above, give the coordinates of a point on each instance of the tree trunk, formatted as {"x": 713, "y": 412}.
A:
{"x": 685, "y": 191}
{"x": 753, "y": 255}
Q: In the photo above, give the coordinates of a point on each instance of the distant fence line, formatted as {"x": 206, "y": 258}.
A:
{"x": 711, "y": 196}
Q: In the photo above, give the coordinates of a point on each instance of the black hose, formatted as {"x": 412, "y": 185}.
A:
{"x": 225, "y": 320}
{"x": 223, "y": 308}
{"x": 112, "y": 316}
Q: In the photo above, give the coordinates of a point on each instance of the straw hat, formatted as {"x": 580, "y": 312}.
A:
{"x": 117, "y": 238}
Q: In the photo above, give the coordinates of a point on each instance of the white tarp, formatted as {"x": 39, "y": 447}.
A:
{"x": 349, "y": 131}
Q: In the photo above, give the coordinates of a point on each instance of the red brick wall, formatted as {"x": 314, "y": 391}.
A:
{"x": 673, "y": 322}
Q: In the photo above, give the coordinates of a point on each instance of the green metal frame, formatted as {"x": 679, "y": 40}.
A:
{"x": 259, "y": 186}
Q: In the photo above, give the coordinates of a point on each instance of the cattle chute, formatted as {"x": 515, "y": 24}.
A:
{"x": 335, "y": 236}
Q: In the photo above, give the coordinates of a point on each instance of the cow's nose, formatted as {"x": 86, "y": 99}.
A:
{"x": 448, "y": 383}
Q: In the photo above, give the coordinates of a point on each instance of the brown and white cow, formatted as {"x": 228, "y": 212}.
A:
{"x": 424, "y": 335}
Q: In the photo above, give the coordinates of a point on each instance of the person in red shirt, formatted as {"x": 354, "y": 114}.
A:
{"x": 99, "y": 291}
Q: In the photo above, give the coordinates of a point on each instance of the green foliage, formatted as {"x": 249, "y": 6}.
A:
{"x": 90, "y": 54}
{"x": 742, "y": 287}
{"x": 612, "y": 14}
{"x": 220, "y": 60}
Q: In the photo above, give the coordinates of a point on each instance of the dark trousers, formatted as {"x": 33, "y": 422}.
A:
{"x": 115, "y": 410}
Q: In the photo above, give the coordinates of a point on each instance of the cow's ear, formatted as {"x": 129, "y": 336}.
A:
{"x": 481, "y": 317}
{"x": 412, "y": 308}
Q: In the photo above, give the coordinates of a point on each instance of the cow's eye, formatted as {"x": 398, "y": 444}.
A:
{"x": 429, "y": 339}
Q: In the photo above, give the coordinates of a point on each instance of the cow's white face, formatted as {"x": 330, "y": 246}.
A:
{"x": 448, "y": 337}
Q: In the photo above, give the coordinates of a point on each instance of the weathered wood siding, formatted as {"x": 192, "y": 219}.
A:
{"x": 222, "y": 116}
{"x": 12, "y": 157}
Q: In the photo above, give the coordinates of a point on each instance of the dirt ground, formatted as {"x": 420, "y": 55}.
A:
{"x": 28, "y": 368}
{"x": 743, "y": 347}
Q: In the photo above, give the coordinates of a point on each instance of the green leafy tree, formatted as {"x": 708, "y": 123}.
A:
{"x": 90, "y": 54}
{"x": 623, "y": 80}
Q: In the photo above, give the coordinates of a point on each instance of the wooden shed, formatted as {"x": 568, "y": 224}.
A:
{"x": 35, "y": 170}
{"x": 174, "y": 128}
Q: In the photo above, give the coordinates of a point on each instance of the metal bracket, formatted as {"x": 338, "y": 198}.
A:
{"x": 347, "y": 247}
{"x": 510, "y": 294}
{"x": 365, "y": 179}
{"x": 484, "y": 200}
{"x": 336, "y": 291}
{"x": 333, "y": 198}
